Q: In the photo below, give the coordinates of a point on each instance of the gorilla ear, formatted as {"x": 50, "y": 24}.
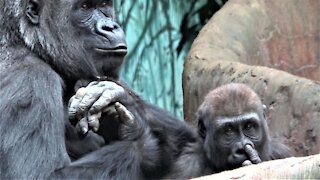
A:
{"x": 264, "y": 111}
{"x": 33, "y": 11}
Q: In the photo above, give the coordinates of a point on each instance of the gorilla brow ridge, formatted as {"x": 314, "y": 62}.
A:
{"x": 235, "y": 119}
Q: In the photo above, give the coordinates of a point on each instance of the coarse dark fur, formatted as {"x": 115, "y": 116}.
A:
{"x": 225, "y": 128}
{"x": 45, "y": 48}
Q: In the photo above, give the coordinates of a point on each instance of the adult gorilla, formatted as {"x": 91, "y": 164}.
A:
{"x": 45, "y": 48}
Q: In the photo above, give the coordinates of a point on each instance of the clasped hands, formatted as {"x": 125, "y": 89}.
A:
{"x": 87, "y": 105}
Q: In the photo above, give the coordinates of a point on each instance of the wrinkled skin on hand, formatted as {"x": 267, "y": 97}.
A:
{"x": 87, "y": 105}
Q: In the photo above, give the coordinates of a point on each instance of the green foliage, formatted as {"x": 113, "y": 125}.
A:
{"x": 159, "y": 35}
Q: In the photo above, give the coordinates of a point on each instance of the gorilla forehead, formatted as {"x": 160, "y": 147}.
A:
{"x": 232, "y": 100}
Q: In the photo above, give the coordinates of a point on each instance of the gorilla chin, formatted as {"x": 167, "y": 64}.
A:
{"x": 109, "y": 60}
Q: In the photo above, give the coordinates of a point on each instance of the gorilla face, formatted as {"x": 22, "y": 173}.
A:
{"x": 232, "y": 123}
{"x": 102, "y": 37}
{"x": 231, "y": 135}
{"x": 78, "y": 38}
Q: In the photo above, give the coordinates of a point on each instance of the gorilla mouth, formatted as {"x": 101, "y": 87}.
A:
{"x": 119, "y": 50}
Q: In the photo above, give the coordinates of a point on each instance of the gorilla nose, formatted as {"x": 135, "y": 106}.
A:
{"x": 112, "y": 34}
{"x": 109, "y": 29}
{"x": 106, "y": 25}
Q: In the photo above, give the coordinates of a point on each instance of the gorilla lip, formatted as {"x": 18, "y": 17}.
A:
{"x": 116, "y": 50}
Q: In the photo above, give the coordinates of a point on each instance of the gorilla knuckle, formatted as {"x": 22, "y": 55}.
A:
{"x": 80, "y": 93}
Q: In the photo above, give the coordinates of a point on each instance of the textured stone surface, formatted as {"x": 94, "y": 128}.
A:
{"x": 252, "y": 41}
{"x": 280, "y": 34}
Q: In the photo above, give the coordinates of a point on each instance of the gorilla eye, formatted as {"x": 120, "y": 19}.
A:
{"x": 104, "y": 4}
{"x": 228, "y": 129}
{"x": 86, "y": 5}
{"x": 248, "y": 126}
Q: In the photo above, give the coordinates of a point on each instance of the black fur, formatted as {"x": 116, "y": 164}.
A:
{"x": 45, "y": 48}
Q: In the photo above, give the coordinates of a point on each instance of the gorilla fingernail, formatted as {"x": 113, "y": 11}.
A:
{"x": 81, "y": 92}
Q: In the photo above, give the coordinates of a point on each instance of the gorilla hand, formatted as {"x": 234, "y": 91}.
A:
{"x": 89, "y": 102}
{"x": 124, "y": 115}
{"x": 253, "y": 156}
{"x": 117, "y": 123}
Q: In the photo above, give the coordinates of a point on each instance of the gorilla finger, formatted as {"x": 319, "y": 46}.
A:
{"x": 103, "y": 83}
{"x": 89, "y": 98}
{"x": 106, "y": 98}
{"x": 71, "y": 114}
{"x": 99, "y": 105}
{"x": 252, "y": 153}
{"x": 93, "y": 121}
{"x": 82, "y": 126}
{"x": 73, "y": 107}
{"x": 246, "y": 163}
{"x": 81, "y": 92}
{"x": 71, "y": 100}
{"x": 110, "y": 110}
{"x": 93, "y": 83}
{"x": 74, "y": 102}
{"x": 125, "y": 115}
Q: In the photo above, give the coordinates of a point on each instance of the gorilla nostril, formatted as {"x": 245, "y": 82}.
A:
{"x": 116, "y": 26}
{"x": 105, "y": 25}
{"x": 108, "y": 28}
{"x": 239, "y": 156}
{"x": 240, "y": 152}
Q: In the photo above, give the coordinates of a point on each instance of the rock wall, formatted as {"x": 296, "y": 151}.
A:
{"x": 255, "y": 42}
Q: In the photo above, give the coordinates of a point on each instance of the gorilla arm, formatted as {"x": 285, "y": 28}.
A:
{"x": 182, "y": 147}
{"x": 32, "y": 120}
{"x": 32, "y": 130}
{"x": 178, "y": 151}
{"x": 121, "y": 159}
{"x": 133, "y": 156}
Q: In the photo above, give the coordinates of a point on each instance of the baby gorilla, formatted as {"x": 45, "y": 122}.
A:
{"x": 233, "y": 126}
